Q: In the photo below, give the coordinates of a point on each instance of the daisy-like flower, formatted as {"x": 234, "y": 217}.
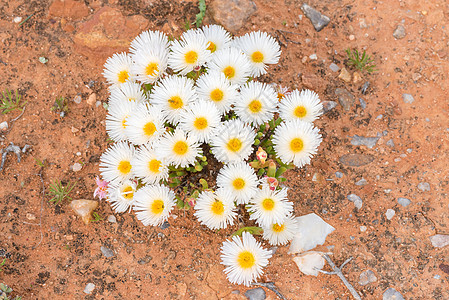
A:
{"x": 116, "y": 119}
{"x": 281, "y": 91}
{"x": 233, "y": 64}
{"x": 172, "y": 94}
{"x": 244, "y": 259}
{"x": 178, "y": 149}
{"x": 115, "y": 163}
{"x": 148, "y": 167}
{"x": 232, "y": 141}
{"x": 122, "y": 196}
{"x": 102, "y": 188}
{"x": 130, "y": 91}
{"x": 269, "y": 207}
{"x": 153, "y": 204}
{"x": 280, "y": 233}
{"x": 217, "y": 37}
{"x": 200, "y": 119}
{"x": 304, "y": 106}
{"x": 117, "y": 69}
{"x": 216, "y": 88}
{"x": 261, "y": 50}
{"x": 256, "y": 103}
{"x": 296, "y": 141}
{"x": 239, "y": 180}
{"x": 189, "y": 52}
{"x": 144, "y": 124}
{"x": 215, "y": 209}
{"x": 151, "y": 41}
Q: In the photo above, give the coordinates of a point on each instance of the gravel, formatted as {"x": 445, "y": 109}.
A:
{"x": 319, "y": 21}
{"x": 392, "y": 294}
{"x": 255, "y": 294}
{"x": 112, "y": 219}
{"x": 439, "y": 240}
{"x": 89, "y": 288}
{"x": 390, "y": 143}
{"x": 424, "y": 186}
{"x": 390, "y": 213}
{"x": 334, "y": 67}
{"x": 404, "y": 201}
{"x": 107, "y": 252}
{"x": 408, "y": 98}
{"x": 356, "y": 199}
{"x": 361, "y": 182}
{"x": 367, "y": 277}
{"x": 370, "y": 142}
{"x": 399, "y": 32}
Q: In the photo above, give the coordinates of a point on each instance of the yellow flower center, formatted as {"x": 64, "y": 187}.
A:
{"x": 154, "y": 165}
{"x": 278, "y": 228}
{"x": 300, "y": 112}
{"x": 229, "y": 72}
{"x": 211, "y": 47}
{"x": 149, "y": 129}
{"x": 257, "y": 57}
{"x": 246, "y": 260}
{"x": 268, "y": 204}
{"x": 238, "y": 183}
{"x": 255, "y": 106}
{"x": 217, "y": 208}
{"x": 296, "y": 145}
{"x": 175, "y": 102}
{"x": 124, "y": 167}
{"x": 123, "y": 76}
{"x": 191, "y": 57}
{"x": 200, "y": 123}
{"x": 131, "y": 99}
{"x": 151, "y": 69}
{"x": 124, "y": 122}
{"x": 128, "y": 192}
{"x": 157, "y": 207}
{"x": 180, "y": 148}
{"x": 234, "y": 145}
{"x": 216, "y": 95}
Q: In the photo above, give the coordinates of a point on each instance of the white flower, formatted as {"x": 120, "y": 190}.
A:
{"x": 296, "y": 141}
{"x": 188, "y": 52}
{"x": 217, "y": 37}
{"x": 115, "y": 163}
{"x": 304, "y": 106}
{"x": 200, "y": 119}
{"x": 148, "y": 166}
{"x": 233, "y": 64}
{"x": 130, "y": 91}
{"x": 232, "y": 141}
{"x": 269, "y": 207}
{"x": 216, "y": 88}
{"x": 244, "y": 259}
{"x": 122, "y": 196}
{"x": 117, "y": 69}
{"x": 145, "y": 124}
{"x": 215, "y": 209}
{"x": 256, "y": 103}
{"x": 239, "y": 180}
{"x": 261, "y": 50}
{"x": 153, "y": 204}
{"x": 178, "y": 149}
{"x": 149, "y": 66}
{"x": 280, "y": 233}
{"x": 151, "y": 41}
{"x": 172, "y": 94}
{"x": 116, "y": 119}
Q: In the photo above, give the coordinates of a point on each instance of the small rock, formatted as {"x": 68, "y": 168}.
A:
{"x": 107, "y": 252}
{"x": 17, "y": 19}
{"x": 3, "y": 126}
{"x": 362, "y": 103}
{"x": 345, "y": 98}
{"x": 399, "y": 32}
{"x": 352, "y": 37}
{"x": 356, "y": 200}
{"x": 84, "y": 208}
{"x": 74, "y": 130}
{"x": 390, "y": 213}
{"x": 436, "y": 277}
{"x": 356, "y": 160}
{"x": 144, "y": 260}
{"x": 77, "y": 167}
{"x": 77, "y": 99}
{"x": 334, "y": 67}
{"x": 31, "y": 217}
{"x": 404, "y": 201}
{"x": 439, "y": 240}
{"x": 424, "y": 186}
{"x": 310, "y": 262}
{"x": 408, "y": 98}
{"x": 313, "y": 57}
{"x": 392, "y": 294}
{"x": 304, "y": 59}
{"x": 390, "y": 143}
{"x": 370, "y": 142}
{"x": 89, "y": 288}
{"x": 345, "y": 75}
{"x": 328, "y": 105}
{"x": 365, "y": 87}
{"x": 361, "y": 182}
{"x": 165, "y": 225}
{"x": 92, "y": 99}
{"x": 233, "y": 14}
{"x": 255, "y": 294}
{"x": 338, "y": 174}
{"x": 367, "y": 277}
{"x": 356, "y": 77}
{"x": 416, "y": 76}
{"x": 318, "y": 20}
{"x": 112, "y": 219}
{"x": 363, "y": 228}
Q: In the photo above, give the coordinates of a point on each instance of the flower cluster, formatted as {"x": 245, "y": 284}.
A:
{"x": 176, "y": 105}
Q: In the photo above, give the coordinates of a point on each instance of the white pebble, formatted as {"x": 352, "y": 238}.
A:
{"x": 390, "y": 213}
{"x": 17, "y": 19}
{"x": 77, "y": 167}
{"x": 112, "y": 219}
{"x": 3, "y": 126}
{"x": 313, "y": 56}
{"x": 362, "y": 228}
{"x": 89, "y": 288}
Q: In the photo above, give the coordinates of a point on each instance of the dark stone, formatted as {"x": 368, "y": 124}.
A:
{"x": 255, "y": 294}
{"x": 319, "y": 21}
{"x": 356, "y": 160}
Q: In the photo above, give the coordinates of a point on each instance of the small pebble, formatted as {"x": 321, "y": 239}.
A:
{"x": 256, "y": 294}
{"x": 328, "y": 105}
{"x": 112, "y": 219}
{"x": 77, "y": 99}
{"x": 165, "y": 225}
{"x": 77, "y": 167}
{"x": 334, "y": 67}
{"x": 387, "y": 191}
{"x": 78, "y": 153}
{"x": 92, "y": 99}
{"x": 404, "y": 201}
{"x": 399, "y": 32}
{"x": 392, "y": 294}
{"x": 338, "y": 174}
{"x": 362, "y": 103}
{"x": 363, "y": 228}
{"x": 439, "y": 240}
{"x": 361, "y": 182}
{"x": 313, "y": 56}
{"x": 98, "y": 103}
{"x": 437, "y": 276}
{"x": 409, "y": 150}
{"x": 3, "y": 126}
{"x": 390, "y": 213}
{"x": 424, "y": 186}
{"x": 390, "y": 143}
{"x": 365, "y": 87}
{"x": 358, "y": 140}
{"x": 17, "y": 19}
{"x": 351, "y": 37}
{"x": 356, "y": 199}
{"x": 367, "y": 277}
{"x": 106, "y": 252}
{"x": 89, "y": 288}
{"x": 408, "y": 98}
{"x": 379, "y": 117}
{"x": 31, "y": 217}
